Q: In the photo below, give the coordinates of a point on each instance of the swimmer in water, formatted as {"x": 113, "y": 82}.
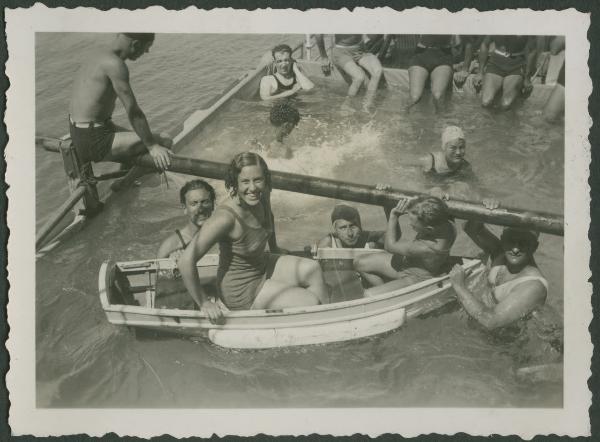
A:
{"x": 287, "y": 80}
{"x": 197, "y": 198}
{"x": 447, "y": 168}
{"x": 351, "y": 56}
{"x": 347, "y": 232}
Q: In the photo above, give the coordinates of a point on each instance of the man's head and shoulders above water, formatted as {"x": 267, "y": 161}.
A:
{"x": 197, "y": 199}
{"x": 347, "y": 231}
{"x": 287, "y": 79}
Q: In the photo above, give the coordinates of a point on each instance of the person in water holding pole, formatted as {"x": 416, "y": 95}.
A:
{"x": 249, "y": 277}
{"x": 350, "y": 55}
{"x": 410, "y": 261}
{"x": 347, "y": 232}
{"x": 509, "y": 68}
{"x": 555, "y": 106}
{"x": 197, "y": 198}
{"x": 515, "y": 309}
{"x": 287, "y": 80}
{"x": 99, "y": 81}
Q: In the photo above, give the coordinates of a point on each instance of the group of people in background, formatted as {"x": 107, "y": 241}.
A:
{"x": 499, "y": 68}
{"x": 249, "y": 276}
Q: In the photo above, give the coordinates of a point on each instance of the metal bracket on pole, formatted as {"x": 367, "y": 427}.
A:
{"x": 78, "y": 174}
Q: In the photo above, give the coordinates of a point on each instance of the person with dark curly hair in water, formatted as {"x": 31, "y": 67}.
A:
{"x": 285, "y": 118}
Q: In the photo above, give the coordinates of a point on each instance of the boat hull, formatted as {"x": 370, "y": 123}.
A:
{"x": 334, "y": 322}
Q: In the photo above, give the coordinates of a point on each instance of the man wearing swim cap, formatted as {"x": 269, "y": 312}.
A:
{"x": 99, "y": 81}
{"x": 347, "y": 231}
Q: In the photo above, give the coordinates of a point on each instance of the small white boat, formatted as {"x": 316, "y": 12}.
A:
{"x": 149, "y": 294}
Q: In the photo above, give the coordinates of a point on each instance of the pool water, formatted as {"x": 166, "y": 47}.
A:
{"x": 439, "y": 361}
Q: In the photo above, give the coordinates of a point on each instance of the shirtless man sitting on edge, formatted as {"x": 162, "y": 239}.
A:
{"x": 99, "y": 82}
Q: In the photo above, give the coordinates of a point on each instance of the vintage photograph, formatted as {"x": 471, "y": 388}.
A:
{"x": 268, "y": 220}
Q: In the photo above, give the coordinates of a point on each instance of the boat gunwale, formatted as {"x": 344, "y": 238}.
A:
{"x": 367, "y": 301}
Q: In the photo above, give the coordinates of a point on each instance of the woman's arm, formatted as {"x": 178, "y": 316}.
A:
{"x": 483, "y": 54}
{"x": 393, "y": 241}
{"x": 523, "y": 299}
{"x": 216, "y": 228}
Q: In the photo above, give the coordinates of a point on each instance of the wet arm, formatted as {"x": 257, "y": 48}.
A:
{"x": 468, "y": 54}
{"x": 119, "y": 77}
{"x": 214, "y": 229}
{"x": 302, "y": 79}
{"x": 266, "y": 90}
{"x": 485, "y": 240}
{"x": 523, "y": 300}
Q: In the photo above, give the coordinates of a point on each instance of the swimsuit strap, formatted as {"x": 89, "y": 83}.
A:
{"x": 183, "y": 243}
{"x": 241, "y": 220}
{"x": 518, "y": 281}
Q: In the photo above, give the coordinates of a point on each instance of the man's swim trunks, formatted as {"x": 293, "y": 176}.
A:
{"x": 94, "y": 142}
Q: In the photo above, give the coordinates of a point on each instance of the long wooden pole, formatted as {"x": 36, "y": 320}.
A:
{"x": 58, "y": 215}
{"x": 360, "y": 193}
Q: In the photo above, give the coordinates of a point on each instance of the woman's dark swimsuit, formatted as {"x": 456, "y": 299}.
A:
{"x": 433, "y": 51}
{"x": 94, "y": 142}
{"x": 511, "y": 62}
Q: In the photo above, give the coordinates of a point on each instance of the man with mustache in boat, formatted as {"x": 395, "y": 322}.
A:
{"x": 287, "y": 79}
{"x": 99, "y": 81}
{"x": 198, "y": 201}
{"x": 347, "y": 232}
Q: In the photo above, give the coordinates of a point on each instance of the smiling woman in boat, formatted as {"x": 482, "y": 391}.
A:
{"x": 249, "y": 277}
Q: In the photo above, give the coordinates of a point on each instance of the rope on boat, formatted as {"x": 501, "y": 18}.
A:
{"x": 58, "y": 215}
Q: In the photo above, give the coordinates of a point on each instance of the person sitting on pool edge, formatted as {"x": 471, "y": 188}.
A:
{"x": 410, "y": 261}
{"x": 287, "y": 79}
{"x": 347, "y": 232}
{"x": 197, "y": 198}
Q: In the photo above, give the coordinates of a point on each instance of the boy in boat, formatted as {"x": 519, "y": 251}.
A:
{"x": 410, "y": 261}
{"x": 287, "y": 80}
{"x": 197, "y": 198}
{"x": 351, "y": 56}
{"x": 103, "y": 78}
{"x": 347, "y": 232}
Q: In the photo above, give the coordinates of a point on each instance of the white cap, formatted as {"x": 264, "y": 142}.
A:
{"x": 452, "y": 133}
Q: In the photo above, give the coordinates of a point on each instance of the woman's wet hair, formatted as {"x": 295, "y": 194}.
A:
{"x": 240, "y": 161}
{"x": 284, "y": 113}
{"x": 143, "y": 37}
{"x": 431, "y": 211}
{"x": 281, "y": 48}
{"x": 194, "y": 185}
